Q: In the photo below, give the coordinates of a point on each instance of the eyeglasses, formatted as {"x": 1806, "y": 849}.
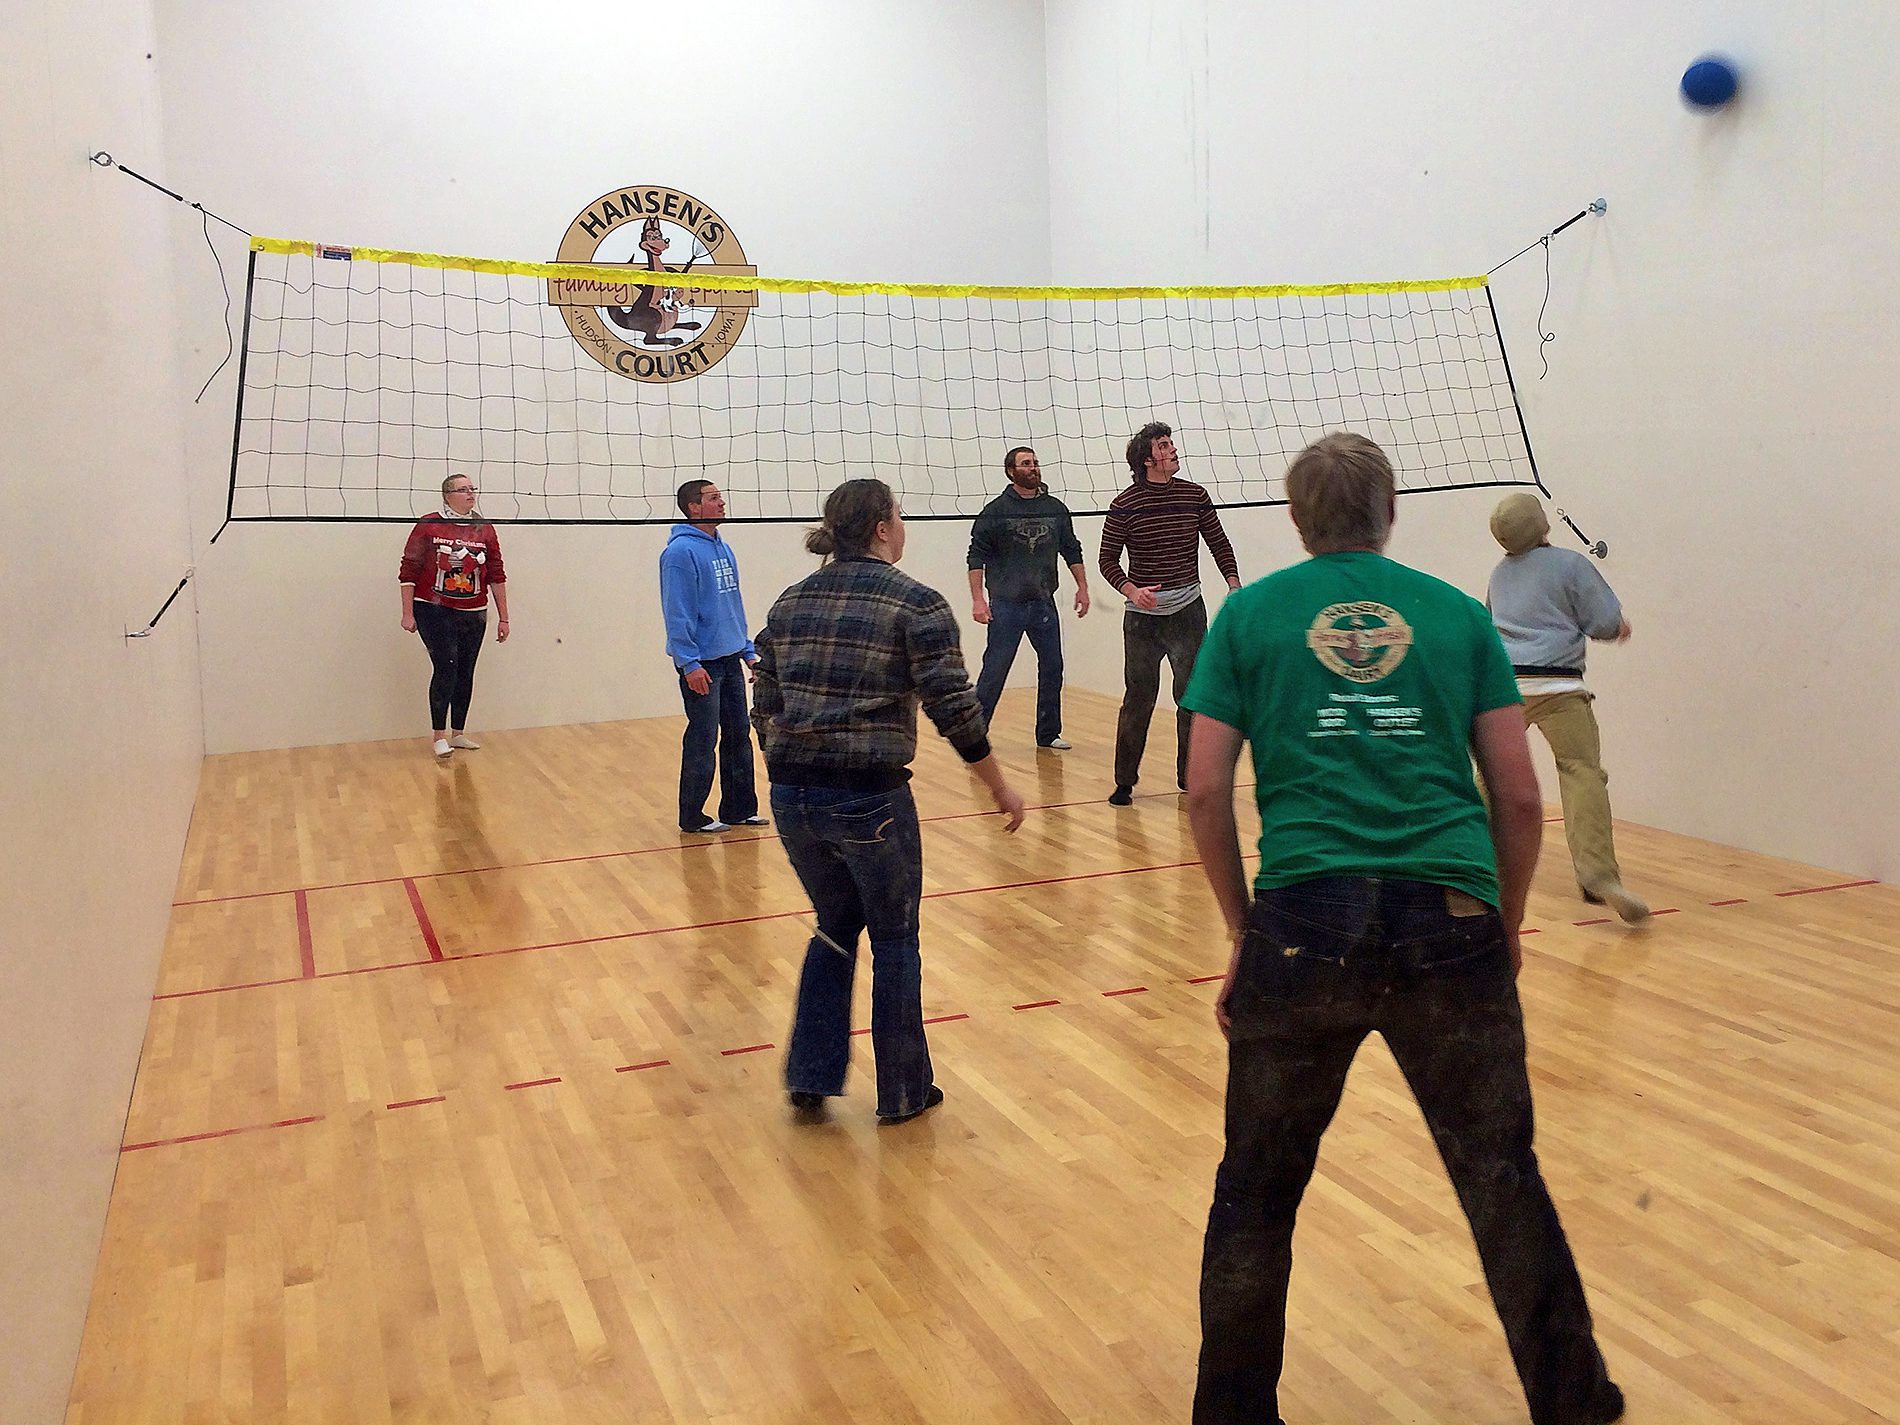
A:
{"x": 463, "y": 490}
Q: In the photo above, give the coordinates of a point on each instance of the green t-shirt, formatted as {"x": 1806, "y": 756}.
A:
{"x": 1355, "y": 680}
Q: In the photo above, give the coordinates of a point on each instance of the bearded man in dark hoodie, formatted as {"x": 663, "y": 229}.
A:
{"x": 707, "y": 641}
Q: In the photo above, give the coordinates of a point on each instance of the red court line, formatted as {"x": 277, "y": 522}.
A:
{"x": 694, "y": 845}
{"x": 417, "y": 1102}
{"x": 946, "y": 1019}
{"x": 856, "y": 1032}
{"x": 1816, "y": 890}
{"x": 1528, "y": 930}
{"x": 306, "y": 951}
{"x": 219, "y": 1133}
{"x": 650, "y": 1064}
{"x": 1036, "y": 1004}
{"x": 533, "y": 1083}
{"x": 1131, "y": 990}
{"x": 1603, "y": 920}
{"x": 422, "y": 918}
{"x": 1206, "y": 979}
{"x": 1739, "y": 900}
{"x": 226, "y": 989}
{"x": 1668, "y": 910}
{"x": 640, "y": 934}
{"x": 749, "y": 1049}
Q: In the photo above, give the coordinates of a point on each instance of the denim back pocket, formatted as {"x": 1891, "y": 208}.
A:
{"x": 866, "y": 820}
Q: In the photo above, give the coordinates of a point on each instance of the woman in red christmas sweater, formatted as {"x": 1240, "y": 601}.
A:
{"x": 450, "y": 565}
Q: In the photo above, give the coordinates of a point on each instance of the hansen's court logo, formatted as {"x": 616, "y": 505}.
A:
{"x": 653, "y": 333}
{"x": 1361, "y": 641}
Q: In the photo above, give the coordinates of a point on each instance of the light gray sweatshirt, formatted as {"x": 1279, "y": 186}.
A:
{"x": 1546, "y": 603}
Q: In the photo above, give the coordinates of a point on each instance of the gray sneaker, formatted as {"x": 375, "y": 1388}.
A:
{"x": 1057, "y": 744}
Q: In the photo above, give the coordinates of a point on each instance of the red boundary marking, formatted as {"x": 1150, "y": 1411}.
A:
{"x": 219, "y": 1133}
{"x": 649, "y": 1064}
{"x": 532, "y": 1083}
{"x": 306, "y": 949}
{"x": 1036, "y": 1004}
{"x": 1601, "y": 920}
{"x": 1528, "y": 930}
{"x": 1206, "y": 979}
{"x": 749, "y": 1049}
{"x": 1131, "y": 990}
{"x": 694, "y": 845}
{"x": 422, "y": 918}
{"x": 946, "y": 1019}
{"x": 1816, "y": 890}
{"x": 856, "y": 1032}
{"x": 436, "y": 954}
{"x": 417, "y": 1102}
{"x": 1668, "y": 910}
{"x": 1739, "y": 900}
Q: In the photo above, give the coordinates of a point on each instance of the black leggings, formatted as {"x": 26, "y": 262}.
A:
{"x": 454, "y": 640}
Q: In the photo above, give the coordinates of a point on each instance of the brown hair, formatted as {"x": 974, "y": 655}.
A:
{"x": 1143, "y": 444}
{"x": 450, "y": 480}
{"x": 853, "y": 512}
{"x": 1341, "y": 490}
{"x": 689, "y": 494}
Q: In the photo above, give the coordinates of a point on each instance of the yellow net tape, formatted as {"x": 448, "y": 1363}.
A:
{"x": 625, "y": 275}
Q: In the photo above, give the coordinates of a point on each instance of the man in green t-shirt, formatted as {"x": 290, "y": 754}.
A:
{"x": 1386, "y": 900}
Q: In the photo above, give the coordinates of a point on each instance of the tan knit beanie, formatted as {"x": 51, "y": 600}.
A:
{"x": 1519, "y": 522}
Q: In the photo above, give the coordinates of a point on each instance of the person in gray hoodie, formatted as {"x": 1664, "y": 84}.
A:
{"x": 1547, "y": 604}
{"x": 706, "y": 639}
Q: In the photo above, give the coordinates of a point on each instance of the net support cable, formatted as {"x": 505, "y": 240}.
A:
{"x": 101, "y": 159}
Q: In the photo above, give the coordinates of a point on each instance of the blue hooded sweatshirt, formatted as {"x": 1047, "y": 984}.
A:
{"x": 699, "y": 595}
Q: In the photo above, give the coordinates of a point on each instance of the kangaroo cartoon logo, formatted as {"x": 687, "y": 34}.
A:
{"x": 646, "y": 331}
{"x": 1362, "y": 642}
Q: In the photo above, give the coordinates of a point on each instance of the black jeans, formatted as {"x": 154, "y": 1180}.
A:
{"x": 1325, "y": 963}
{"x": 1146, "y": 640}
{"x": 454, "y": 640}
{"x": 1010, "y": 619}
{"x": 717, "y": 717}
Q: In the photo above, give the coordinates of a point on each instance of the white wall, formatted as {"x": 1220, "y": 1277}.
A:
{"x": 1719, "y": 403}
{"x": 855, "y": 138}
{"x": 103, "y": 735}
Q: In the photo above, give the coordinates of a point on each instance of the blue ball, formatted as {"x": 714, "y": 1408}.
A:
{"x": 1709, "y": 83}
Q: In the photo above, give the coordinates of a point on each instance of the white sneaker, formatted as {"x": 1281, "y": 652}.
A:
{"x": 1057, "y": 744}
{"x": 711, "y": 826}
{"x": 442, "y": 747}
{"x": 465, "y": 742}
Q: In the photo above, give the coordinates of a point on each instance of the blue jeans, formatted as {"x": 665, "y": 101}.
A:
{"x": 717, "y": 715}
{"x": 1009, "y": 621}
{"x": 860, "y": 857}
{"x": 1325, "y": 963}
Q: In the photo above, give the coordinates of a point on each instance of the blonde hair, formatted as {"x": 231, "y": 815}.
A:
{"x": 453, "y": 478}
{"x": 1341, "y": 490}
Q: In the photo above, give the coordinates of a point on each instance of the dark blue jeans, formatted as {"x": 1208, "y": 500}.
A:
{"x": 1324, "y": 964}
{"x": 860, "y": 857}
{"x": 1009, "y": 621}
{"x": 717, "y": 715}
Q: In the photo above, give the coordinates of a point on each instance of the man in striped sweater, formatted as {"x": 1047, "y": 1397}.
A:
{"x": 1160, "y": 521}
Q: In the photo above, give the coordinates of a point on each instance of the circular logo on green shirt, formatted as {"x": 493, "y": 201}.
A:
{"x": 1362, "y": 642}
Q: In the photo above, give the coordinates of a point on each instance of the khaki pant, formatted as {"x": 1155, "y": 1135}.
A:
{"x": 1570, "y": 728}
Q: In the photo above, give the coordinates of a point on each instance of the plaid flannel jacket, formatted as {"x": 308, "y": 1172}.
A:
{"x": 845, "y": 657}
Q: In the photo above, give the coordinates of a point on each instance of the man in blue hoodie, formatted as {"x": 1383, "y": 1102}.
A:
{"x": 706, "y": 639}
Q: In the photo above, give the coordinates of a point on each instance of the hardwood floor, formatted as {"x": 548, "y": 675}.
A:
{"x": 460, "y": 1101}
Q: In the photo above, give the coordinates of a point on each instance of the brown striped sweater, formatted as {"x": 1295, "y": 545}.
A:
{"x": 1161, "y": 526}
